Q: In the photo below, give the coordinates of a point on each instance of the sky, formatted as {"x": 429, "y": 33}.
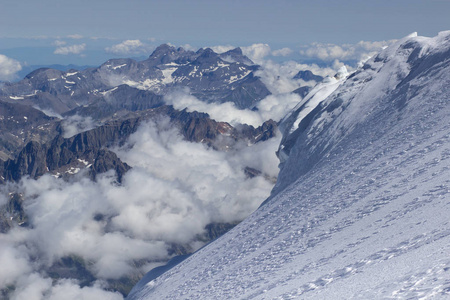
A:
{"x": 86, "y": 32}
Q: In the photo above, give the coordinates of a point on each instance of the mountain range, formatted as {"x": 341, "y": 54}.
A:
{"x": 119, "y": 87}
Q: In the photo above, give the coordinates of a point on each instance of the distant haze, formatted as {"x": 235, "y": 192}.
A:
{"x": 88, "y": 32}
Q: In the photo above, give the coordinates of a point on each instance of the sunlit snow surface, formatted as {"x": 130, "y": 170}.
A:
{"x": 367, "y": 215}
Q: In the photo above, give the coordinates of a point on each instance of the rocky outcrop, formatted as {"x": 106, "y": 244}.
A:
{"x": 19, "y": 124}
{"x": 302, "y": 91}
{"x": 64, "y": 154}
{"x": 12, "y": 213}
{"x": 308, "y": 76}
{"x": 89, "y": 149}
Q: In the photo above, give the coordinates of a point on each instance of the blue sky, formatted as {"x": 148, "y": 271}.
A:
{"x": 31, "y": 32}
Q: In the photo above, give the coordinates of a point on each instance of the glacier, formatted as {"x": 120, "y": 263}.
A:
{"x": 362, "y": 203}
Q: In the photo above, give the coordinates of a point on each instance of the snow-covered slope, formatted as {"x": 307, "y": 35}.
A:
{"x": 362, "y": 206}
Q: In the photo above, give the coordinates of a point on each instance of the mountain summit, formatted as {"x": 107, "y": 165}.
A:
{"x": 360, "y": 209}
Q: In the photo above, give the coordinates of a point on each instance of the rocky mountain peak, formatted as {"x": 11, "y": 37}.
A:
{"x": 45, "y": 73}
{"x": 165, "y": 54}
{"x": 236, "y": 55}
{"x": 163, "y": 49}
{"x": 307, "y": 75}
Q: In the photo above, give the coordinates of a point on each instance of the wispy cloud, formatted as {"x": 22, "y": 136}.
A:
{"x": 256, "y": 52}
{"x": 222, "y": 48}
{"x": 39, "y": 37}
{"x": 75, "y": 124}
{"x": 189, "y": 47}
{"x": 73, "y": 49}
{"x": 75, "y": 36}
{"x": 282, "y": 52}
{"x": 129, "y": 47}
{"x": 8, "y": 67}
{"x": 59, "y": 43}
{"x": 330, "y": 52}
{"x": 272, "y": 107}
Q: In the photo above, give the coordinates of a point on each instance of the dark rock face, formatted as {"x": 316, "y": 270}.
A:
{"x": 12, "y": 213}
{"x": 31, "y": 161}
{"x": 264, "y": 132}
{"x": 35, "y": 159}
{"x": 20, "y": 124}
{"x": 308, "y": 76}
{"x": 302, "y": 91}
{"x": 108, "y": 160}
{"x": 118, "y": 100}
{"x": 69, "y": 155}
{"x": 236, "y": 55}
{"x": 71, "y": 267}
{"x": 215, "y": 230}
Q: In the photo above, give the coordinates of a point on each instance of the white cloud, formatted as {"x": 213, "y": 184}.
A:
{"x": 69, "y": 289}
{"x": 278, "y": 77}
{"x": 75, "y": 124}
{"x": 328, "y": 51}
{"x": 358, "y": 51}
{"x": 31, "y": 287}
{"x": 272, "y": 107}
{"x": 59, "y": 43}
{"x": 36, "y": 287}
{"x": 374, "y": 46}
{"x": 129, "y": 47}
{"x": 8, "y": 68}
{"x": 75, "y": 36}
{"x": 189, "y": 47}
{"x": 13, "y": 259}
{"x": 222, "y": 48}
{"x": 226, "y": 112}
{"x": 73, "y": 49}
{"x": 103, "y": 38}
{"x": 282, "y": 52}
{"x": 256, "y": 52}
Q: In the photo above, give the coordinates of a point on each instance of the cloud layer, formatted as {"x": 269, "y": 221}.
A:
{"x": 272, "y": 107}
{"x": 75, "y": 124}
{"x": 72, "y": 49}
{"x": 256, "y": 52}
{"x": 173, "y": 191}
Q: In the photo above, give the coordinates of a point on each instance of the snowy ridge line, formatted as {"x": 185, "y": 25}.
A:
{"x": 361, "y": 207}
{"x": 355, "y": 99}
